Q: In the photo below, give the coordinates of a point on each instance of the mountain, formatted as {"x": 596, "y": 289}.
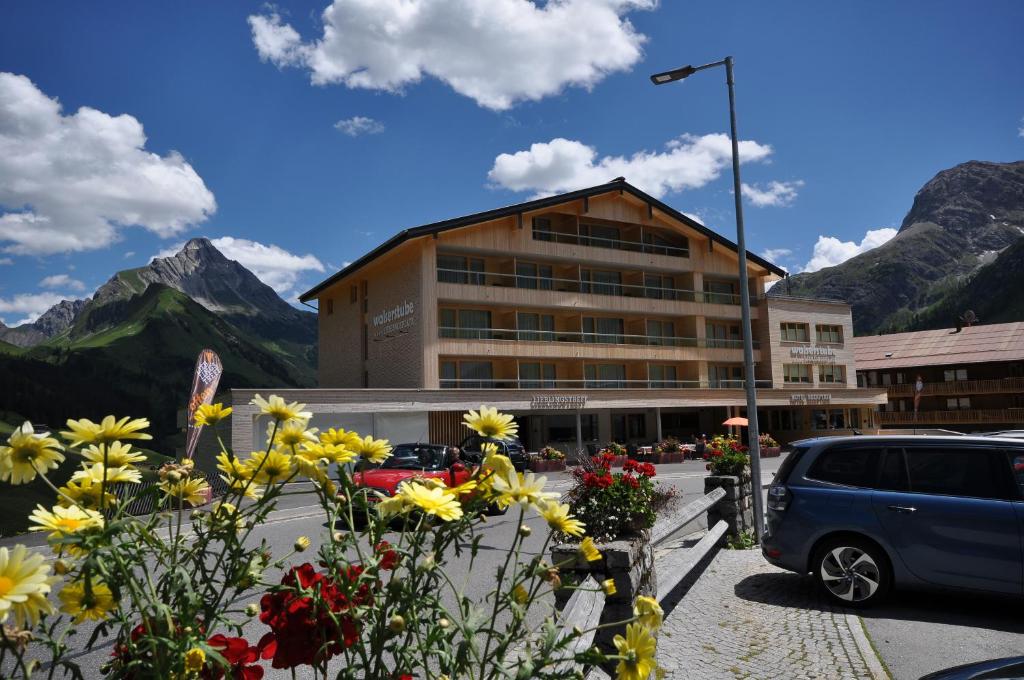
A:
{"x": 958, "y": 225}
{"x": 52, "y": 323}
{"x": 132, "y": 347}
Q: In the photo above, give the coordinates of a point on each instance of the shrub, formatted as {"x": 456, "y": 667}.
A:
{"x": 668, "y": 445}
{"x": 614, "y": 449}
{"x": 551, "y": 453}
{"x": 726, "y": 456}
{"x": 767, "y": 441}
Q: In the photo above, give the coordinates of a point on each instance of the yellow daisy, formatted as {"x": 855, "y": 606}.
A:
{"x": 558, "y": 518}
{"x": 64, "y": 521}
{"x": 589, "y": 550}
{"x": 339, "y": 437}
{"x": 27, "y": 454}
{"x": 337, "y": 454}
{"x": 118, "y": 454}
{"x": 210, "y": 414}
{"x": 195, "y": 659}
{"x": 431, "y": 500}
{"x": 373, "y": 450}
{"x": 280, "y": 410}
{"x": 637, "y": 651}
{"x": 527, "y": 489}
{"x": 84, "y": 604}
{"x": 270, "y": 467}
{"x": 108, "y": 430}
{"x": 192, "y": 490}
{"x": 391, "y": 505}
{"x": 608, "y": 586}
{"x": 520, "y": 595}
{"x": 233, "y": 468}
{"x": 222, "y": 512}
{"x": 489, "y": 423}
{"x": 648, "y": 612}
{"x": 290, "y": 433}
{"x": 95, "y": 472}
{"x": 24, "y": 585}
{"x": 85, "y": 492}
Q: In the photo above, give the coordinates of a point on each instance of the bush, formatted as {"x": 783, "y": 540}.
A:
{"x": 767, "y": 441}
{"x": 551, "y": 453}
{"x": 726, "y": 456}
{"x": 614, "y": 449}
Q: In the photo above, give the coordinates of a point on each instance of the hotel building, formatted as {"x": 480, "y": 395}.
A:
{"x": 597, "y": 315}
{"x": 971, "y": 379}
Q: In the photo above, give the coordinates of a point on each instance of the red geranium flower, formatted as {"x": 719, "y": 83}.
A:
{"x": 388, "y": 556}
{"x": 239, "y": 654}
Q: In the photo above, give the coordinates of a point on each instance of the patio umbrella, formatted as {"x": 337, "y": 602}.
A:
{"x": 736, "y": 421}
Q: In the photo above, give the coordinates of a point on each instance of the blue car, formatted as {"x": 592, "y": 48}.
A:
{"x": 864, "y": 514}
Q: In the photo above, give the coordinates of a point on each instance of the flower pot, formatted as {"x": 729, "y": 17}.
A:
{"x": 619, "y": 461}
{"x": 541, "y": 465}
{"x": 674, "y": 457}
{"x": 771, "y": 451}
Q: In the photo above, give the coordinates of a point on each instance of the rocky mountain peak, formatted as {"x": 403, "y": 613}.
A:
{"x": 52, "y": 323}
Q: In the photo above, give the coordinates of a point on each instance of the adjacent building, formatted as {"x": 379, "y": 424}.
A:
{"x": 597, "y": 315}
{"x": 963, "y": 379}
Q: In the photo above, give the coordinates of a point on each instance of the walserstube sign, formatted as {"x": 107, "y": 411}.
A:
{"x": 398, "y": 318}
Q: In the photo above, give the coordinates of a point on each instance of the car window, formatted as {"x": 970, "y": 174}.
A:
{"x": 788, "y": 464}
{"x": 954, "y": 472}
{"x": 1017, "y": 463}
{"x": 472, "y": 444}
{"x": 848, "y": 466}
{"x": 892, "y": 474}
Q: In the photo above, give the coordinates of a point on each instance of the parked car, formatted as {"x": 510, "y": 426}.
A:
{"x": 472, "y": 450}
{"x": 1010, "y": 668}
{"x": 1005, "y": 434}
{"x": 863, "y": 514}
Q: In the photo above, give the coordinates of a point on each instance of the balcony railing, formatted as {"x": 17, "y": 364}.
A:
{"x": 476, "y": 278}
{"x": 964, "y": 416}
{"x": 613, "y": 243}
{"x": 596, "y": 384}
{"x": 511, "y": 334}
{"x": 965, "y": 387}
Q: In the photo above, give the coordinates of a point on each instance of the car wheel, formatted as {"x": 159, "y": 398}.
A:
{"x": 852, "y": 571}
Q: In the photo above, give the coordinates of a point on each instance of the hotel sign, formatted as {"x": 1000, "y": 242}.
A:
{"x": 398, "y": 318}
{"x": 817, "y": 354}
{"x": 558, "y": 401}
{"x": 810, "y": 399}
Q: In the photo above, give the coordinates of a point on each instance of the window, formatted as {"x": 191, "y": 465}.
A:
{"x": 846, "y": 466}
{"x": 951, "y": 471}
{"x": 660, "y": 375}
{"x": 796, "y": 373}
{"x": 819, "y": 419}
{"x": 330, "y": 306}
{"x": 794, "y": 332}
{"x": 600, "y": 282}
{"x": 720, "y": 292}
{"x": 602, "y": 330}
{"x": 1017, "y": 465}
{"x": 721, "y": 334}
{"x": 448, "y": 325}
{"x": 836, "y": 419}
{"x": 599, "y": 235}
{"x": 831, "y": 335}
{"x": 627, "y": 426}
{"x": 353, "y": 294}
{"x": 661, "y": 333}
{"x": 658, "y": 287}
{"x": 542, "y": 229}
{"x": 533, "y": 276}
{"x": 678, "y": 246}
{"x": 536, "y": 375}
{"x": 725, "y": 376}
{"x": 455, "y": 269}
{"x": 476, "y": 374}
{"x": 831, "y": 373}
{"x": 954, "y": 374}
{"x": 958, "y": 403}
{"x": 605, "y": 375}
{"x": 535, "y": 326}
{"x": 472, "y": 324}
{"x": 449, "y": 374}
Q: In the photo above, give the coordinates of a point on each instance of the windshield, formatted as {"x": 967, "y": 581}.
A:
{"x": 415, "y": 457}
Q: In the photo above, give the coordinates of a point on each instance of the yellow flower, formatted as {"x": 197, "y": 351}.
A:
{"x": 373, "y": 450}
{"x": 270, "y": 467}
{"x": 463, "y": 488}
{"x": 648, "y": 612}
{"x": 192, "y": 490}
{"x": 195, "y": 659}
{"x": 63, "y": 522}
{"x": 637, "y": 650}
{"x": 558, "y": 518}
{"x": 278, "y": 409}
{"x": 339, "y": 437}
{"x": 222, "y": 512}
{"x": 501, "y": 465}
{"x": 589, "y": 550}
{"x": 232, "y": 467}
{"x": 311, "y": 464}
{"x": 24, "y": 585}
{"x": 118, "y": 454}
{"x": 431, "y": 500}
{"x": 520, "y": 594}
{"x": 291, "y": 433}
{"x": 210, "y": 414}
{"x": 27, "y": 454}
{"x": 608, "y": 586}
{"x": 85, "y": 492}
{"x": 83, "y": 603}
{"x": 390, "y": 505}
{"x": 489, "y": 423}
{"x": 108, "y": 430}
{"x": 302, "y": 544}
{"x": 527, "y": 489}
{"x": 95, "y": 472}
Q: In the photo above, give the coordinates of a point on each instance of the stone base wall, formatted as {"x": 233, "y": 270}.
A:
{"x": 736, "y": 508}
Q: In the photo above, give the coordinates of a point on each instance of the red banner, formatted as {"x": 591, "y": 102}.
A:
{"x": 204, "y": 386}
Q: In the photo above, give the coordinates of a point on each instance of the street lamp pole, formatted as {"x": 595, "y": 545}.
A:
{"x": 753, "y": 433}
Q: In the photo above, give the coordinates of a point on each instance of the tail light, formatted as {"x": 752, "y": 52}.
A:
{"x": 778, "y": 497}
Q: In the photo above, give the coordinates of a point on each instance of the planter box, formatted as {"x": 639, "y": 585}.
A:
{"x": 662, "y": 458}
{"x": 771, "y": 451}
{"x": 619, "y": 461}
{"x": 540, "y": 465}
{"x": 737, "y": 507}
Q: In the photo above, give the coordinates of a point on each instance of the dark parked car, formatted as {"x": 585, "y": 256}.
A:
{"x": 1010, "y": 668}
{"x": 472, "y": 450}
{"x": 865, "y": 513}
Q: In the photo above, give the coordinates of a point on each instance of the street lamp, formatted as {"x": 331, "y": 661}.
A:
{"x": 741, "y": 248}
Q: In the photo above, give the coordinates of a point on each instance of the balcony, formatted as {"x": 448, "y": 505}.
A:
{"x": 960, "y": 387}
{"x": 598, "y": 384}
{"x": 962, "y": 416}
{"x": 612, "y": 243}
{"x": 510, "y": 334}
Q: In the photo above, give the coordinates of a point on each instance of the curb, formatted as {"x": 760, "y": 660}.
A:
{"x": 866, "y": 649}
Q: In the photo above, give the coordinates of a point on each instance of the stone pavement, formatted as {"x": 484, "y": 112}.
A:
{"x": 743, "y": 618}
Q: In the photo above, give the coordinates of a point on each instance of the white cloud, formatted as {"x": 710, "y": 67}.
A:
{"x": 1020, "y": 130}
{"x": 774, "y": 254}
{"x": 31, "y": 305}
{"x": 775, "y": 194}
{"x": 496, "y": 52}
{"x": 6, "y": 260}
{"x": 359, "y": 125}
{"x": 130, "y": 253}
{"x": 688, "y": 162}
{"x": 62, "y": 281}
{"x": 830, "y": 251}
{"x": 69, "y": 182}
{"x": 273, "y": 265}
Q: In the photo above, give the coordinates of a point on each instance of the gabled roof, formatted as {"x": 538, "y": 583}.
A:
{"x": 943, "y": 347}
{"x": 618, "y": 184}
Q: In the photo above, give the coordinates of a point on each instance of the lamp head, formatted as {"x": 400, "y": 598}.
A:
{"x": 673, "y": 75}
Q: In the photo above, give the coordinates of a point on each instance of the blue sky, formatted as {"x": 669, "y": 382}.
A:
{"x": 847, "y": 110}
